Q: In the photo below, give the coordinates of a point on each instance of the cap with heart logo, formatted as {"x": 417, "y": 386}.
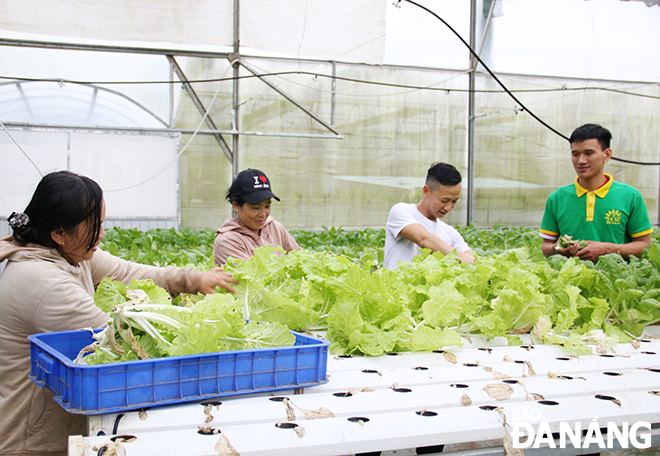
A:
{"x": 252, "y": 186}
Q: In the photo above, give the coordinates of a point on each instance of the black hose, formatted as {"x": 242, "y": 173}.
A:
{"x": 524, "y": 108}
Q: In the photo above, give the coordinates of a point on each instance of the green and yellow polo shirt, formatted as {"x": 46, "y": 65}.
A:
{"x": 614, "y": 213}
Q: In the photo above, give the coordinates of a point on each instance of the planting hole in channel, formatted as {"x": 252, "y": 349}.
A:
{"x": 510, "y": 382}
{"x": 438, "y": 351}
{"x": 653, "y": 369}
{"x": 208, "y": 431}
{"x": 545, "y": 402}
{"x": 471, "y": 364}
{"x": 561, "y": 358}
{"x": 358, "y": 419}
{"x": 612, "y": 374}
{"x": 426, "y": 413}
{"x": 343, "y": 394}
{"x": 420, "y": 368}
{"x": 459, "y": 385}
{"x": 527, "y": 347}
{"x": 286, "y": 425}
{"x": 278, "y": 398}
{"x": 648, "y": 353}
{"x": 605, "y": 355}
{"x": 123, "y": 438}
{"x": 370, "y": 371}
{"x": 605, "y": 397}
{"x": 211, "y": 403}
{"x": 344, "y": 356}
{"x": 486, "y": 349}
{"x": 402, "y": 390}
{"x": 392, "y": 354}
{"x": 565, "y": 377}
{"x": 488, "y": 408}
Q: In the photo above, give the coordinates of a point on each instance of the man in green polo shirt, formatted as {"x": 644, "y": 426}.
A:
{"x": 610, "y": 215}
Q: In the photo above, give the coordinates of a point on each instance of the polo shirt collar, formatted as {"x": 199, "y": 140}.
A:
{"x": 600, "y": 191}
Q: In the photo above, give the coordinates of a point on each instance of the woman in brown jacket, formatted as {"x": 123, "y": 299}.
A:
{"x": 250, "y": 195}
{"x": 53, "y": 267}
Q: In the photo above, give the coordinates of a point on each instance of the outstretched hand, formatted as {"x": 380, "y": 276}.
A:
{"x": 594, "y": 250}
{"x": 216, "y": 277}
{"x": 569, "y": 251}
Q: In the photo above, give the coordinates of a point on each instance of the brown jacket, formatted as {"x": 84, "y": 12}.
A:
{"x": 238, "y": 241}
{"x": 41, "y": 292}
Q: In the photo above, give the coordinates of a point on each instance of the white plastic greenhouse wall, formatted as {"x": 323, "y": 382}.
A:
{"x": 343, "y": 104}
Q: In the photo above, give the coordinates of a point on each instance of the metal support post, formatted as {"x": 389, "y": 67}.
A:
{"x": 334, "y": 93}
{"x": 235, "y": 62}
{"x": 471, "y": 114}
{"x": 200, "y": 107}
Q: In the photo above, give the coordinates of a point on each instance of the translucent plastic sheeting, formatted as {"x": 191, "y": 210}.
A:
{"x": 295, "y": 28}
{"x": 550, "y": 37}
{"x": 116, "y": 162}
{"x": 392, "y": 134}
{"x": 39, "y": 102}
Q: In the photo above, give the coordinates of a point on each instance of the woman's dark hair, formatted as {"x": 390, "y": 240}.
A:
{"x": 231, "y": 197}
{"x": 62, "y": 199}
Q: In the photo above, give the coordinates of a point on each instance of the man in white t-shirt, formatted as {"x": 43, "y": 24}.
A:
{"x": 414, "y": 226}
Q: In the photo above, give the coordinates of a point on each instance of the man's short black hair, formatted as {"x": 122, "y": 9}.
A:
{"x": 592, "y": 131}
{"x": 443, "y": 174}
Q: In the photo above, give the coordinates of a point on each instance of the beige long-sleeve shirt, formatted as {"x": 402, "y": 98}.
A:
{"x": 41, "y": 292}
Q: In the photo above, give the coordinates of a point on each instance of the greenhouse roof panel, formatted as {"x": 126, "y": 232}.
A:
{"x": 53, "y": 103}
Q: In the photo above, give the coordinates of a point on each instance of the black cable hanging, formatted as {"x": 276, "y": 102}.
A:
{"x": 61, "y": 81}
{"x": 522, "y": 106}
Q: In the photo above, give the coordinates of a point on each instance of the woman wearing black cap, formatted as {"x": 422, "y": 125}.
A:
{"x": 250, "y": 195}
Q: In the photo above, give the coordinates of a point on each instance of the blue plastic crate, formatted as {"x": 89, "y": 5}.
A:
{"x": 109, "y": 388}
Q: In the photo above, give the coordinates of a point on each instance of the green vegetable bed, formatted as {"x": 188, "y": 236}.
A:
{"x": 336, "y": 284}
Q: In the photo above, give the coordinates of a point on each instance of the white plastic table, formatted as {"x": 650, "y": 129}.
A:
{"x": 407, "y": 401}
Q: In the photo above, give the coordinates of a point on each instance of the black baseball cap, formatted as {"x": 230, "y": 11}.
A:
{"x": 252, "y": 185}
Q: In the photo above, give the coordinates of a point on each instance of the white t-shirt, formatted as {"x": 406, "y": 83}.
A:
{"x": 399, "y": 248}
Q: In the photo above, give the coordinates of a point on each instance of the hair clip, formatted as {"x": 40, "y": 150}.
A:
{"x": 18, "y": 220}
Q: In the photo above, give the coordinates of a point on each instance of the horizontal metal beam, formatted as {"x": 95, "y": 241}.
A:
{"x": 103, "y": 48}
{"x": 140, "y": 130}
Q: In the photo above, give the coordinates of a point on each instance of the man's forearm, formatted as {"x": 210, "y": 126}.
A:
{"x": 548, "y": 249}
{"x": 437, "y": 244}
{"x": 625, "y": 250}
